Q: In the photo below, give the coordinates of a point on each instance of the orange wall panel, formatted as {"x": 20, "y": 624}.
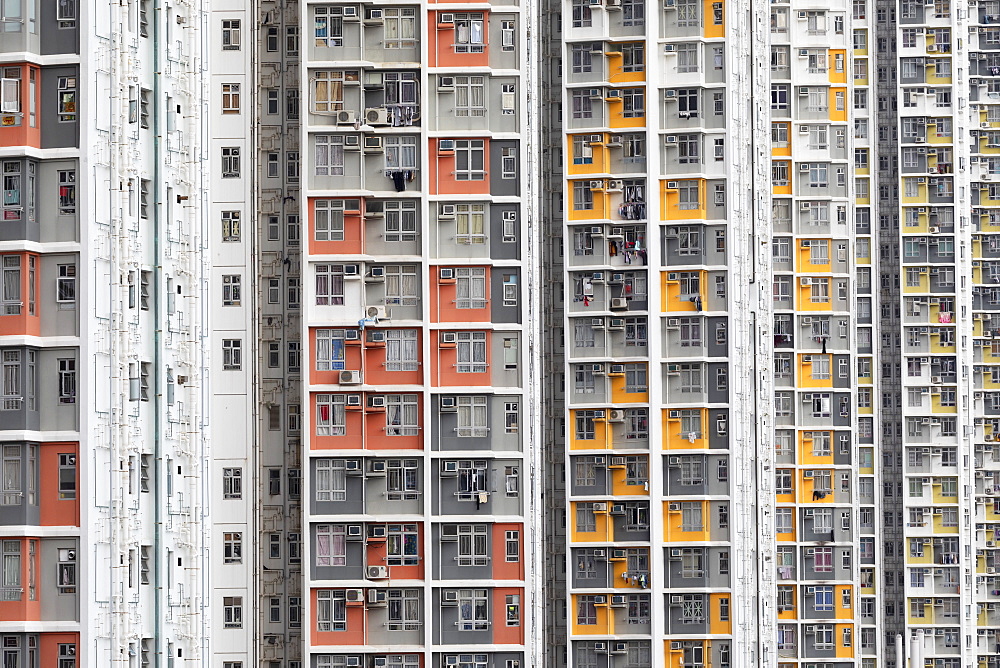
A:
{"x": 354, "y": 232}
{"x": 54, "y": 511}
{"x": 503, "y": 569}
{"x": 443, "y": 302}
{"x": 441, "y": 40}
{"x": 15, "y": 129}
{"x": 354, "y": 438}
{"x": 444, "y": 359}
{"x": 504, "y": 632}
{"x": 352, "y": 360}
{"x": 356, "y": 632}
{"x": 28, "y": 323}
{"x": 25, "y": 610}
{"x": 375, "y": 373}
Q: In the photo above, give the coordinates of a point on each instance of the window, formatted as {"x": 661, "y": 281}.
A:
{"x": 232, "y": 483}
{"x": 328, "y": 31}
{"x": 66, "y": 284}
{"x": 472, "y": 417}
{"x": 67, "y": 99}
{"x": 470, "y": 96}
{"x": 66, "y": 473}
{"x": 823, "y": 599}
{"x": 232, "y": 547}
{"x": 470, "y": 159}
{"x": 403, "y": 539}
{"x": 401, "y": 284}
{"x": 404, "y": 609}
{"x": 469, "y": 33}
{"x": 66, "y": 13}
{"x": 472, "y": 482}
{"x": 400, "y": 220}
{"x": 329, "y": 156}
{"x": 231, "y": 290}
{"x": 231, "y": 38}
{"x": 581, "y": 14}
{"x": 473, "y": 609}
{"x": 330, "y": 415}
{"x": 231, "y": 230}
{"x": 232, "y": 354}
{"x": 67, "y": 381}
{"x": 399, "y": 28}
{"x": 401, "y": 415}
{"x": 400, "y": 152}
{"x": 473, "y": 545}
{"x": 230, "y": 162}
{"x": 470, "y": 287}
{"x": 402, "y": 483}
{"x": 331, "y": 545}
{"x": 329, "y": 285}
{"x": 67, "y": 192}
{"x": 401, "y": 350}
{"x": 635, "y": 378}
{"x": 633, "y": 13}
{"x": 232, "y": 612}
{"x": 471, "y": 352}
{"x": 331, "y": 610}
{"x": 633, "y": 100}
{"x": 328, "y": 90}
{"x": 687, "y": 57}
{"x": 230, "y": 98}
{"x": 633, "y": 57}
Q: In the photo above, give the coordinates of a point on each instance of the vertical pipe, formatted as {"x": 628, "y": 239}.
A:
{"x": 158, "y": 500}
{"x": 899, "y": 650}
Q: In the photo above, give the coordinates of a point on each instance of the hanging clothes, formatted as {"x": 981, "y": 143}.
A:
{"x": 398, "y": 180}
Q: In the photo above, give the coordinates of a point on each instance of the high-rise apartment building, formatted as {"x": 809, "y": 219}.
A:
{"x": 587, "y": 334}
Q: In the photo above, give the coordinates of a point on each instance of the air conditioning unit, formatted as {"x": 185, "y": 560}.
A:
{"x": 352, "y": 465}
{"x": 615, "y": 185}
{"x": 671, "y": 139}
{"x": 617, "y": 369}
{"x": 449, "y": 338}
{"x": 805, "y": 281}
{"x": 616, "y": 324}
{"x": 669, "y": 48}
{"x": 374, "y": 18}
{"x": 597, "y": 369}
{"x": 615, "y": 141}
{"x": 597, "y": 231}
{"x": 448, "y": 404}
{"x": 616, "y": 416}
{"x": 619, "y": 601}
{"x": 353, "y": 400}
{"x": 351, "y": 271}
{"x": 376, "y": 313}
{"x": 446, "y": 84}
{"x": 597, "y": 277}
{"x": 378, "y": 531}
{"x": 619, "y": 303}
{"x": 377, "y": 598}
{"x": 674, "y": 507}
{"x": 673, "y": 185}
{"x": 934, "y": 230}
{"x": 449, "y": 597}
{"x": 377, "y": 573}
{"x": 446, "y": 211}
{"x": 600, "y": 507}
{"x": 597, "y": 185}
{"x": 354, "y": 530}
{"x": 446, "y": 273}
{"x": 446, "y": 146}
{"x": 618, "y": 509}
{"x": 619, "y": 648}
{"x": 353, "y": 661}
{"x": 349, "y": 12}
{"x": 355, "y": 595}
{"x": 376, "y": 467}
{"x": 376, "y": 401}
{"x": 449, "y": 467}
{"x": 346, "y": 117}
{"x": 376, "y": 116}
{"x": 373, "y": 145}
{"x": 350, "y": 377}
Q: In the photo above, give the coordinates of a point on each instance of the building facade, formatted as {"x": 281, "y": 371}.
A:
{"x": 418, "y": 261}
{"x": 589, "y": 333}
